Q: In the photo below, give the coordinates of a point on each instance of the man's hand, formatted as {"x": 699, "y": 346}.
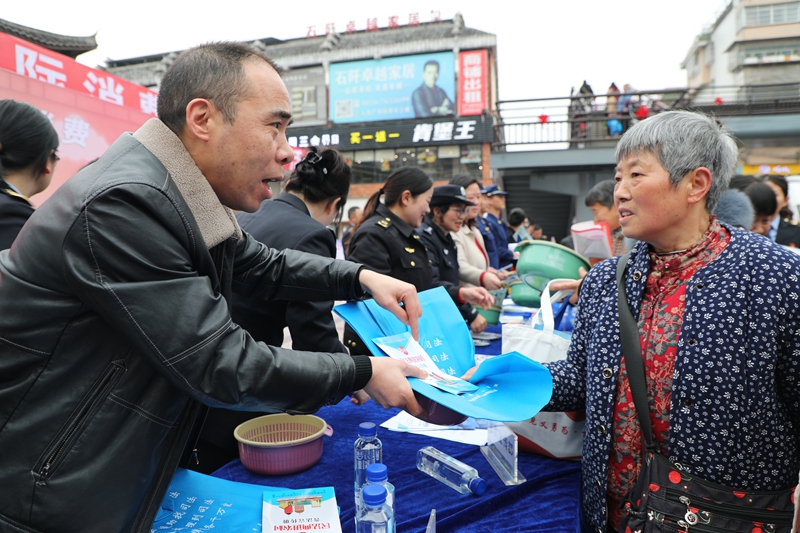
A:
{"x": 573, "y": 285}
{"x": 389, "y": 292}
{"x": 389, "y": 386}
{"x": 492, "y": 282}
{"x": 476, "y": 296}
{"x": 478, "y": 324}
{"x": 359, "y": 397}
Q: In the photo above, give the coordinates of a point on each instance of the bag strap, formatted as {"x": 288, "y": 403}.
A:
{"x": 550, "y": 320}
{"x": 632, "y": 352}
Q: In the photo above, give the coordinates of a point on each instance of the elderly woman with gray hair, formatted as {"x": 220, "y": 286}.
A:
{"x": 713, "y": 350}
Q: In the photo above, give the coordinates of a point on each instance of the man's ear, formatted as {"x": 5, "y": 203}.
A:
{"x": 200, "y": 119}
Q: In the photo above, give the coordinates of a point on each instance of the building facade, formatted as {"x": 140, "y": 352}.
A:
{"x": 417, "y": 95}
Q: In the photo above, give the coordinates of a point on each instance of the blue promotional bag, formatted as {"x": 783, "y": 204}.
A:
{"x": 511, "y": 387}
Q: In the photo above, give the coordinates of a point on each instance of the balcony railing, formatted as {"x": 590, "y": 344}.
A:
{"x": 583, "y": 120}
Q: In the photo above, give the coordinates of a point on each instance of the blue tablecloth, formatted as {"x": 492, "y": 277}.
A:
{"x": 547, "y": 502}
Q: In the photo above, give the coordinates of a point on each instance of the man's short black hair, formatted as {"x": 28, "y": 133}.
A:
{"x": 432, "y": 62}
{"x": 602, "y": 193}
{"x": 516, "y": 217}
{"x": 212, "y": 71}
{"x": 352, "y": 210}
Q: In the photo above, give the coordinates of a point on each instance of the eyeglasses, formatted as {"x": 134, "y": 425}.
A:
{"x": 461, "y": 211}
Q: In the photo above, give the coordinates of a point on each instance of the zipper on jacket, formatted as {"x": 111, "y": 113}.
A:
{"x": 747, "y": 514}
{"x": 87, "y": 408}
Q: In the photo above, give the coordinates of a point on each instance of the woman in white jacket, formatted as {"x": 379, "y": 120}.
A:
{"x": 473, "y": 262}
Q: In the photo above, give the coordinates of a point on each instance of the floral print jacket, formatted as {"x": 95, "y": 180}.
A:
{"x": 735, "y": 406}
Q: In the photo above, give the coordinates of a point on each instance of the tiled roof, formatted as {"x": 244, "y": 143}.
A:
{"x": 64, "y": 44}
{"x": 384, "y": 42}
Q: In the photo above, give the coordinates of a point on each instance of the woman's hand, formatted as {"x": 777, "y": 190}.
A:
{"x": 476, "y": 296}
{"x": 478, "y": 324}
{"x": 572, "y": 285}
{"x": 389, "y": 292}
{"x": 501, "y": 274}
{"x": 491, "y": 282}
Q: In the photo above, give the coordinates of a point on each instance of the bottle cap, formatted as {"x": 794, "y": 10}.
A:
{"x": 526, "y": 315}
{"x": 367, "y": 429}
{"x": 476, "y": 485}
{"x": 374, "y": 494}
{"x": 377, "y": 472}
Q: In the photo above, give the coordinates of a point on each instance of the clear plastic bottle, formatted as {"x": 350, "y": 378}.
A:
{"x": 375, "y": 516}
{"x": 450, "y": 471}
{"x": 378, "y": 474}
{"x": 526, "y": 319}
{"x": 368, "y": 450}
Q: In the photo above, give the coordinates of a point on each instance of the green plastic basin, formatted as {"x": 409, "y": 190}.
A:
{"x": 492, "y": 315}
{"x": 541, "y": 261}
{"x": 522, "y": 294}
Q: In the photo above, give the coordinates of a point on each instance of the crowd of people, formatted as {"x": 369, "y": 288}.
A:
{"x": 142, "y": 317}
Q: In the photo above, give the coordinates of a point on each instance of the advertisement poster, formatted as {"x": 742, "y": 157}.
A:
{"x": 418, "y": 86}
{"x": 472, "y": 83}
{"x": 309, "y": 97}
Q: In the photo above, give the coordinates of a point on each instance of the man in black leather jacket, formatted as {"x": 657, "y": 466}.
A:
{"x": 115, "y": 330}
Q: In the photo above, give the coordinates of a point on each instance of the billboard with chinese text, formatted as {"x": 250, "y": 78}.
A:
{"x": 309, "y": 95}
{"x": 472, "y": 83}
{"x": 418, "y": 86}
{"x": 36, "y": 62}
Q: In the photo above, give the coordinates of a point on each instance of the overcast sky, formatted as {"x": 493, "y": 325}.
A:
{"x": 544, "y": 47}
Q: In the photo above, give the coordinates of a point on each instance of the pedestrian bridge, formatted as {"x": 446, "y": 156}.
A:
{"x": 549, "y": 152}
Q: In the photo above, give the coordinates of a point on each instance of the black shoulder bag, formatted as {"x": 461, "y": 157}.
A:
{"x": 666, "y": 498}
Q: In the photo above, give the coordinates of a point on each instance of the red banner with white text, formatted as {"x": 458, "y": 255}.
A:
{"x": 473, "y": 83}
{"x": 33, "y": 61}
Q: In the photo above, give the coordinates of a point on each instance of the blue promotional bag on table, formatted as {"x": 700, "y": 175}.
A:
{"x": 197, "y": 502}
{"x": 511, "y": 387}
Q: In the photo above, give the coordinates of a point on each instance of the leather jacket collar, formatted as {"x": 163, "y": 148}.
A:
{"x": 216, "y": 221}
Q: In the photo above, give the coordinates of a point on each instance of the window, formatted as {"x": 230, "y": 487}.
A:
{"x": 775, "y": 53}
{"x": 772, "y": 14}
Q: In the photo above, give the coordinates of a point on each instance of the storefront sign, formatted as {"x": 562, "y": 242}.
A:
{"x": 36, "y": 62}
{"x": 309, "y": 96}
{"x": 472, "y": 83}
{"x": 403, "y": 87}
{"x": 395, "y": 134}
{"x": 758, "y": 170}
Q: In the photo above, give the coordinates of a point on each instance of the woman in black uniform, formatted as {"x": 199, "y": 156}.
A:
{"x": 28, "y": 144}
{"x": 386, "y": 242}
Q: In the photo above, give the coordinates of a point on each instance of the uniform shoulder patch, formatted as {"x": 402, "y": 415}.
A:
{"x": 428, "y": 230}
{"x": 384, "y": 222}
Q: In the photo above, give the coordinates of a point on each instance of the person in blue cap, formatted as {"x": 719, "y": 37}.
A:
{"x": 495, "y": 203}
{"x": 448, "y": 212}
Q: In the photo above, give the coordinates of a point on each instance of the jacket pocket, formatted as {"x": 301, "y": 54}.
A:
{"x": 54, "y": 454}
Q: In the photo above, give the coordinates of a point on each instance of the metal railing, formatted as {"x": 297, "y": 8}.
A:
{"x": 584, "y": 120}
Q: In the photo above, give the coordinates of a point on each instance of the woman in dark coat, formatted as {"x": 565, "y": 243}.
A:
{"x": 298, "y": 219}
{"x": 28, "y": 144}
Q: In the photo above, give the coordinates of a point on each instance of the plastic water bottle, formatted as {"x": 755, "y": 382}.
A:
{"x": 375, "y": 516}
{"x": 368, "y": 450}
{"x": 378, "y": 474}
{"x": 526, "y": 319}
{"x": 450, "y": 471}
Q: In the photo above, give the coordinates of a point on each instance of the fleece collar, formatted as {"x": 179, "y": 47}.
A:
{"x": 216, "y": 222}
